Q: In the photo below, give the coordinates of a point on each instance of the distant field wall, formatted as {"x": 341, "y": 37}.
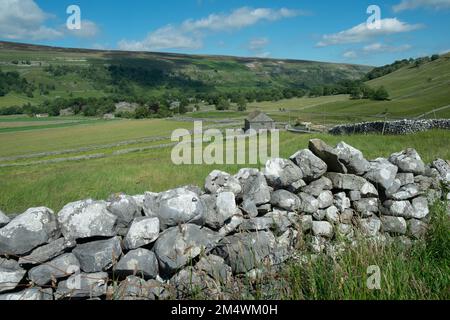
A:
{"x": 391, "y": 127}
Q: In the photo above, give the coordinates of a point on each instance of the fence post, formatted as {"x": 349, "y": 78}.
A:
{"x": 384, "y": 124}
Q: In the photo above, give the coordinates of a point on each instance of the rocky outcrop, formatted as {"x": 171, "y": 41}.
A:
{"x": 164, "y": 245}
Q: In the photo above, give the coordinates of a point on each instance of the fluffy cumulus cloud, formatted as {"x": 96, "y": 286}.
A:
{"x": 414, "y": 4}
{"x": 362, "y": 32}
{"x": 190, "y": 33}
{"x": 24, "y": 19}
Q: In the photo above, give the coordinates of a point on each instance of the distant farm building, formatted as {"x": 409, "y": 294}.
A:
{"x": 258, "y": 120}
{"x": 42, "y": 115}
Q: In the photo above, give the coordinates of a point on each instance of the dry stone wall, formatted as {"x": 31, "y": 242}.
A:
{"x": 161, "y": 245}
{"x": 391, "y": 127}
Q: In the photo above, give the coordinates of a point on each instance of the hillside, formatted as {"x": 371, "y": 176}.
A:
{"x": 415, "y": 92}
{"x": 61, "y": 72}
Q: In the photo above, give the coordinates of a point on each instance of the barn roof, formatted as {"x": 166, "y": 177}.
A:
{"x": 258, "y": 116}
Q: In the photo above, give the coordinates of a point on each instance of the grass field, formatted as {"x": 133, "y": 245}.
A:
{"x": 54, "y": 185}
{"x": 90, "y": 132}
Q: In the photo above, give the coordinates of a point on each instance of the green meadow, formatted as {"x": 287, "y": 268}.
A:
{"x": 56, "y": 184}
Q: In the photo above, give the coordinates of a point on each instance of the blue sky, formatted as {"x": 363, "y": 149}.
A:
{"x": 334, "y": 31}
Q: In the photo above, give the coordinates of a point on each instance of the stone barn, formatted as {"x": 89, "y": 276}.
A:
{"x": 258, "y": 120}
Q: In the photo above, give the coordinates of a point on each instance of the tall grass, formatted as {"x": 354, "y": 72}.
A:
{"x": 421, "y": 271}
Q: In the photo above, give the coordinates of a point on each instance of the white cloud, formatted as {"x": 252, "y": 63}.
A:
{"x": 190, "y": 33}
{"x": 361, "y": 32}
{"x": 375, "y": 48}
{"x": 258, "y": 44}
{"x": 238, "y": 19}
{"x": 24, "y": 19}
{"x": 379, "y": 47}
{"x": 88, "y": 29}
{"x": 351, "y": 54}
{"x": 414, "y": 4}
{"x": 164, "y": 38}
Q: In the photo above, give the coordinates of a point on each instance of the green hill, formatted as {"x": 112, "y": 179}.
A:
{"x": 60, "y": 72}
{"x": 415, "y": 92}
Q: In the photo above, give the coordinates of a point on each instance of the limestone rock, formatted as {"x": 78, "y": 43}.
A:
{"x": 366, "y": 205}
{"x": 280, "y": 173}
{"x": 332, "y": 215}
{"x": 46, "y": 252}
{"x": 309, "y": 204}
{"x": 219, "y": 181}
{"x": 149, "y": 205}
{"x": 245, "y": 251}
{"x": 60, "y": 267}
{"x": 316, "y": 187}
{"x": 311, "y": 166}
{"x": 177, "y": 245}
{"x": 179, "y": 206}
{"x": 34, "y": 227}
{"x": 232, "y": 225}
{"x": 352, "y": 158}
{"x": 133, "y": 288}
{"x": 215, "y": 267}
{"x": 381, "y": 173}
{"x": 82, "y": 285}
{"x": 408, "y": 161}
{"x": 406, "y": 192}
{"x": 98, "y": 255}
{"x": 143, "y": 230}
{"x": 29, "y": 294}
{"x": 249, "y": 208}
{"x": 285, "y": 200}
{"x": 225, "y": 206}
{"x": 4, "y": 220}
{"x": 10, "y": 274}
{"x": 322, "y": 229}
{"x": 254, "y": 186}
{"x": 352, "y": 182}
{"x": 325, "y": 199}
{"x": 328, "y": 155}
{"x": 140, "y": 262}
{"x": 416, "y": 228}
{"x": 443, "y": 168}
{"x": 341, "y": 201}
{"x": 124, "y": 207}
{"x": 395, "y": 225}
{"x": 85, "y": 219}
{"x": 370, "y": 226}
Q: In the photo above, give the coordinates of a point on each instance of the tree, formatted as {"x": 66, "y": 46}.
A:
{"x": 316, "y": 92}
{"x": 242, "y": 104}
{"x": 381, "y": 94}
{"x": 367, "y": 92}
{"x": 223, "y": 104}
{"x": 356, "y": 93}
{"x": 434, "y": 57}
{"x": 141, "y": 112}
